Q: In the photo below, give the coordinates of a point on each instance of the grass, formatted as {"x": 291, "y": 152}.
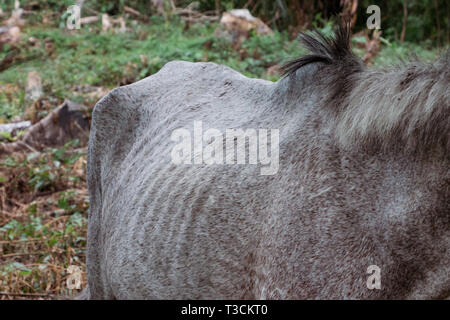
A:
{"x": 43, "y": 195}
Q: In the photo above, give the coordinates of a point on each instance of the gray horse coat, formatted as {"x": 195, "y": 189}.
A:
{"x": 362, "y": 180}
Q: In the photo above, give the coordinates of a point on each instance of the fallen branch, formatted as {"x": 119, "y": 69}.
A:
{"x": 27, "y": 146}
{"x": 190, "y": 15}
{"x": 87, "y": 20}
{"x": 133, "y": 12}
{"x": 15, "y": 126}
{"x": 199, "y": 19}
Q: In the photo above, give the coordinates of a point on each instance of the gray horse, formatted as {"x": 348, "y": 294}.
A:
{"x": 344, "y": 192}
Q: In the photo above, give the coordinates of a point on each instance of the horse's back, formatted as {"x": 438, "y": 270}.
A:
{"x": 160, "y": 235}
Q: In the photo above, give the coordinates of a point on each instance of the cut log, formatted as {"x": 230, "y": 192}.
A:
{"x": 68, "y": 122}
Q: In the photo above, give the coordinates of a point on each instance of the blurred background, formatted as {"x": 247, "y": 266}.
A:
{"x": 57, "y": 61}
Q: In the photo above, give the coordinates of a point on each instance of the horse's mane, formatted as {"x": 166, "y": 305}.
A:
{"x": 406, "y": 106}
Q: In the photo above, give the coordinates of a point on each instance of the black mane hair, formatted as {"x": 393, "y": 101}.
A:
{"x": 405, "y": 106}
{"x": 325, "y": 50}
